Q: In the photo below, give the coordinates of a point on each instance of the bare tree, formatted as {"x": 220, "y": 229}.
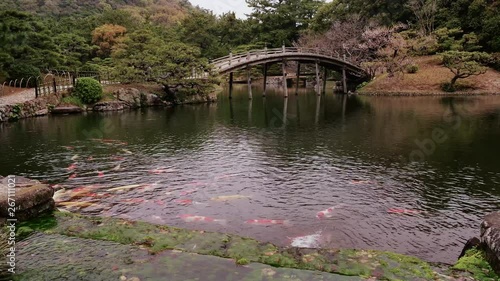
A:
{"x": 425, "y": 12}
{"x": 368, "y": 44}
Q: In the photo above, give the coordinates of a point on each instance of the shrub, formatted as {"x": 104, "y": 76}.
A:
{"x": 88, "y": 90}
{"x": 412, "y": 68}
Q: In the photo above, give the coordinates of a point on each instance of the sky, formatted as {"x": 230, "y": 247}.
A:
{"x": 221, "y": 6}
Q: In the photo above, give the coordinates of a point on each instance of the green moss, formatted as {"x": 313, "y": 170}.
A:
{"x": 474, "y": 261}
{"x": 23, "y": 232}
{"x": 242, "y": 261}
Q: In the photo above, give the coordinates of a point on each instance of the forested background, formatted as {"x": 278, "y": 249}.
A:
{"x": 136, "y": 37}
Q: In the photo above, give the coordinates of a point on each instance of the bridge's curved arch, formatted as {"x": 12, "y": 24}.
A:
{"x": 237, "y": 62}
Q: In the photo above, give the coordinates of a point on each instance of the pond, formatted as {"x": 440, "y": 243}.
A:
{"x": 413, "y": 175}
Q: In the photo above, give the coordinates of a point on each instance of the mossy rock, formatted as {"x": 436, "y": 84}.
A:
{"x": 474, "y": 261}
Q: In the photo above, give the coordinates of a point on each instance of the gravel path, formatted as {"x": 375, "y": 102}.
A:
{"x": 21, "y": 97}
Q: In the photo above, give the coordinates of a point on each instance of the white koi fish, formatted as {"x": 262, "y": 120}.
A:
{"x": 230, "y": 197}
{"x": 191, "y": 218}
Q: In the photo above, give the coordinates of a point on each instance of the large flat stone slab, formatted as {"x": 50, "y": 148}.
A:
{"x": 58, "y": 257}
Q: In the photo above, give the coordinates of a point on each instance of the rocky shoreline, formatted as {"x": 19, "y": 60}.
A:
{"x": 123, "y": 99}
{"x": 35, "y": 220}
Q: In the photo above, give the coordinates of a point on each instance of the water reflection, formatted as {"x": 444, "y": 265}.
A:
{"x": 291, "y": 158}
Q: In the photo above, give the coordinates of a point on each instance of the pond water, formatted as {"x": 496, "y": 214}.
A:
{"x": 414, "y": 175}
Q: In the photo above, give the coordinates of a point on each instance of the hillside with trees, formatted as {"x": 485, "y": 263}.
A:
{"x": 135, "y": 38}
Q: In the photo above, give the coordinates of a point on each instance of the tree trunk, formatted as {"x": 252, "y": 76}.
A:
{"x": 453, "y": 81}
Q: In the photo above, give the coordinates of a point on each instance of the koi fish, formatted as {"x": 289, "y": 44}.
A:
{"x": 187, "y": 192}
{"x": 118, "y": 158}
{"x": 191, "y": 218}
{"x": 307, "y": 241}
{"x": 134, "y": 200}
{"x": 126, "y": 187}
{"x": 328, "y": 213}
{"x": 127, "y": 151}
{"x": 117, "y": 168}
{"x": 403, "y": 211}
{"x": 184, "y": 202}
{"x": 160, "y": 171}
{"x": 71, "y": 167}
{"x": 268, "y": 222}
{"x": 75, "y": 204}
{"x": 100, "y": 174}
{"x": 229, "y": 197}
{"x": 362, "y": 182}
{"x": 159, "y": 202}
{"x": 73, "y": 176}
{"x": 76, "y": 156}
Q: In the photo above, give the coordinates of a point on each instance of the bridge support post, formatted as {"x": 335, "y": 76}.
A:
{"x": 298, "y": 79}
{"x": 318, "y": 92}
{"x": 265, "y": 79}
{"x": 285, "y": 88}
{"x": 249, "y": 82}
{"x": 344, "y": 81}
{"x": 325, "y": 76}
{"x": 231, "y": 85}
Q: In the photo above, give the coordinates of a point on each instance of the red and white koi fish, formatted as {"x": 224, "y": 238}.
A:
{"x": 328, "y": 213}
{"x": 188, "y": 192}
{"x": 73, "y": 176}
{"x": 100, "y": 174}
{"x": 403, "y": 211}
{"x": 71, "y": 167}
{"x": 184, "y": 202}
{"x": 268, "y": 222}
{"x": 191, "y": 218}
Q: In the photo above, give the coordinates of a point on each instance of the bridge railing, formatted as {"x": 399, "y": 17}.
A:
{"x": 339, "y": 54}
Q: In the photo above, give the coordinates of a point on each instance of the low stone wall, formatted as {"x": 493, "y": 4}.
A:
{"x": 31, "y": 108}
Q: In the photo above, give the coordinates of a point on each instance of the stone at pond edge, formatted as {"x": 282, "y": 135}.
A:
{"x": 31, "y": 199}
{"x": 134, "y": 98}
{"x": 110, "y": 106}
{"x": 66, "y": 110}
{"x": 490, "y": 238}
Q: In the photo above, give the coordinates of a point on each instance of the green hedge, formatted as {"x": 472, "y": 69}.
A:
{"x": 88, "y": 90}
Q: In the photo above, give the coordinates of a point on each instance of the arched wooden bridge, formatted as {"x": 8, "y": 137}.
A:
{"x": 328, "y": 60}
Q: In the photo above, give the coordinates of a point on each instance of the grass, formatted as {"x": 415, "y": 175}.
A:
{"x": 70, "y": 100}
